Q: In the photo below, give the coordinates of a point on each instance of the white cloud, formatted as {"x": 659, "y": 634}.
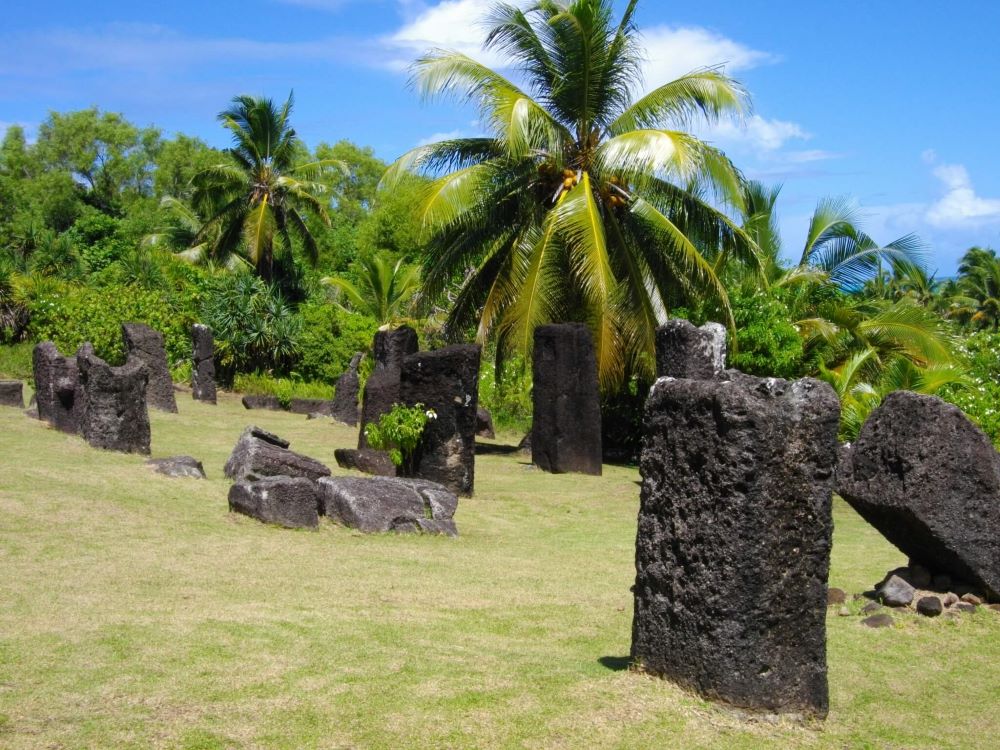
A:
{"x": 673, "y": 51}
{"x": 960, "y": 206}
{"x": 453, "y": 24}
{"x": 435, "y": 137}
{"x": 757, "y": 134}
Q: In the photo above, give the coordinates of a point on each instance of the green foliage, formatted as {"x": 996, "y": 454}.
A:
{"x": 399, "y": 432}
{"x": 507, "y": 395}
{"x": 285, "y": 389}
{"x": 70, "y": 316}
{"x": 98, "y": 238}
{"x": 767, "y": 344}
{"x": 980, "y": 398}
{"x": 382, "y": 287}
{"x": 15, "y": 361}
{"x": 329, "y": 338}
{"x": 254, "y": 329}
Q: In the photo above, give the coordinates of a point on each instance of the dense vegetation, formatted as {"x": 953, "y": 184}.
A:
{"x": 582, "y": 202}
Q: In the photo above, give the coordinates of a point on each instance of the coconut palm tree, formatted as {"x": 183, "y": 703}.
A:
{"x": 261, "y": 190}
{"x": 382, "y": 290}
{"x": 979, "y": 286}
{"x": 578, "y": 203}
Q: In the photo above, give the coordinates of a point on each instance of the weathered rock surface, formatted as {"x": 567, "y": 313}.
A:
{"x": 380, "y": 504}
{"x": 311, "y": 406}
{"x": 930, "y": 606}
{"x": 566, "y": 424}
{"x": 203, "y": 364}
{"x": 447, "y": 382}
{"x": 734, "y": 536}
{"x": 896, "y": 592}
{"x": 146, "y": 345}
{"x": 12, "y": 393}
{"x": 292, "y": 502}
{"x": 835, "y": 596}
{"x": 178, "y": 467}
{"x": 368, "y": 460}
{"x": 269, "y": 403}
{"x": 58, "y": 392}
{"x": 484, "y": 423}
{"x": 345, "y": 397}
{"x": 684, "y": 351}
{"x": 114, "y": 416}
{"x": 382, "y": 387}
{"x": 260, "y": 454}
{"x": 929, "y": 480}
{"x": 877, "y": 621}
{"x": 390, "y": 348}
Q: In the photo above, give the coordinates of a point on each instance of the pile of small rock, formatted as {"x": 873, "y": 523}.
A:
{"x": 913, "y": 589}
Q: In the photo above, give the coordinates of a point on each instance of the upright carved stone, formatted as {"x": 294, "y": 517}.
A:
{"x": 58, "y": 392}
{"x": 929, "y": 480}
{"x": 345, "y": 398}
{"x": 566, "y": 422}
{"x": 447, "y": 382}
{"x": 203, "y": 364}
{"x": 114, "y": 414}
{"x": 12, "y": 393}
{"x": 146, "y": 345}
{"x": 382, "y": 388}
{"x": 684, "y": 351}
{"x": 734, "y": 535}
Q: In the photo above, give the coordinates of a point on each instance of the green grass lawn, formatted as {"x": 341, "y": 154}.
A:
{"x": 135, "y": 611}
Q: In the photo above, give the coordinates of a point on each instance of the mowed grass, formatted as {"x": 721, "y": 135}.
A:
{"x": 135, "y": 611}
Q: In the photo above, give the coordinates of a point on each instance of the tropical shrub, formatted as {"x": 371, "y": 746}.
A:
{"x": 285, "y": 389}
{"x": 15, "y": 361}
{"x": 398, "y": 432}
{"x": 507, "y": 394}
{"x": 329, "y": 337}
{"x": 980, "y": 398}
{"x": 767, "y": 344}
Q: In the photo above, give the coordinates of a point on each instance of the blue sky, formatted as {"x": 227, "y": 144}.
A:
{"x": 894, "y": 103}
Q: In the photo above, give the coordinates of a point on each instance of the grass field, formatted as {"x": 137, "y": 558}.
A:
{"x": 135, "y": 612}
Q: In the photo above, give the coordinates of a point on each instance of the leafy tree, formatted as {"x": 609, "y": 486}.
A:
{"x": 261, "y": 191}
{"x": 383, "y": 288}
{"x": 578, "y": 204}
{"x": 979, "y": 288}
{"x": 177, "y": 162}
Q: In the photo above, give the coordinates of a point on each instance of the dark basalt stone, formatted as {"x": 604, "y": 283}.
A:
{"x": 382, "y": 388}
{"x": 446, "y": 382}
{"x": 12, "y": 393}
{"x": 566, "y": 423}
{"x": 58, "y": 393}
{"x": 390, "y": 348}
{"x": 114, "y": 416}
{"x": 877, "y": 621}
{"x": 269, "y": 403}
{"x": 345, "y": 397}
{"x": 311, "y": 406}
{"x": 178, "y": 467}
{"x": 203, "y": 364}
{"x": 929, "y": 606}
{"x": 380, "y": 504}
{"x": 929, "y": 480}
{"x": 292, "y": 502}
{"x": 734, "y": 537}
{"x": 260, "y": 454}
{"x": 684, "y": 351}
{"x": 484, "y": 423}
{"x": 146, "y": 345}
{"x": 368, "y": 460}
{"x": 895, "y": 592}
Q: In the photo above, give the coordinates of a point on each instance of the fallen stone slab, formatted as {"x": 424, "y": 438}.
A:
{"x": 380, "y": 504}
{"x": 146, "y": 345}
{"x": 734, "y": 537}
{"x": 929, "y": 480}
{"x": 58, "y": 392}
{"x": 12, "y": 393}
{"x": 260, "y": 454}
{"x": 686, "y": 351}
{"x": 269, "y": 403}
{"x": 368, "y": 460}
{"x": 115, "y": 416}
{"x": 292, "y": 502}
{"x": 877, "y": 621}
{"x": 203, "y": 386}
{"x": 178, "y": 467}
{"x": 345, "y": 397}
{"x": 311, "y": 406}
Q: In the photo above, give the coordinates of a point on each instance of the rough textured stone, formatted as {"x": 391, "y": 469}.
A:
{"x": 12, "y": 393}
{"x": 525, "y": 445}
{"x": 178, "y": 467}
{"x": 269, "y": 403}
{"x": 684, "y": 351}
{"x": 566, "y": 423}
{"x": 260, "y": 454}
{"x": 484, "y": 423}
{"x": 203, "y": 364}
{"x": 895, "y": 592}
{"x": 447, "y": 382}
{"x": 311, "y": 406}
{"x": 368, "y": 460}
{"x": 929, "y": 606}
{"x": 971, "y": 599}
{"x": 146, "y": 345}
{"x": 734, "y": 536}
{"x": 292, "y": 502}
{"x": 115, "y": 416}
{"x": 877, "y": 621}
{"x": 380, "y": 504}
{"x": 950, "y": 599}
{"x": 835, "y": 596}
{"x": 871, "y": 607}
{"x": 58, "y": 392}
{"x": 918, "y": 576}
{"x": 929, "y": 480}
{"x": 382, "y": 387}
{"x": 345, "y": 397}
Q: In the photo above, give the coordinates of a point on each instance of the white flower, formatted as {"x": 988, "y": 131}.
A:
{"x": 431, "y": 414}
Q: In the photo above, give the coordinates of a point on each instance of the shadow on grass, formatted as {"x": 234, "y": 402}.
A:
{"x": 616, "y": 663}
{"x": 490, "y": 449}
